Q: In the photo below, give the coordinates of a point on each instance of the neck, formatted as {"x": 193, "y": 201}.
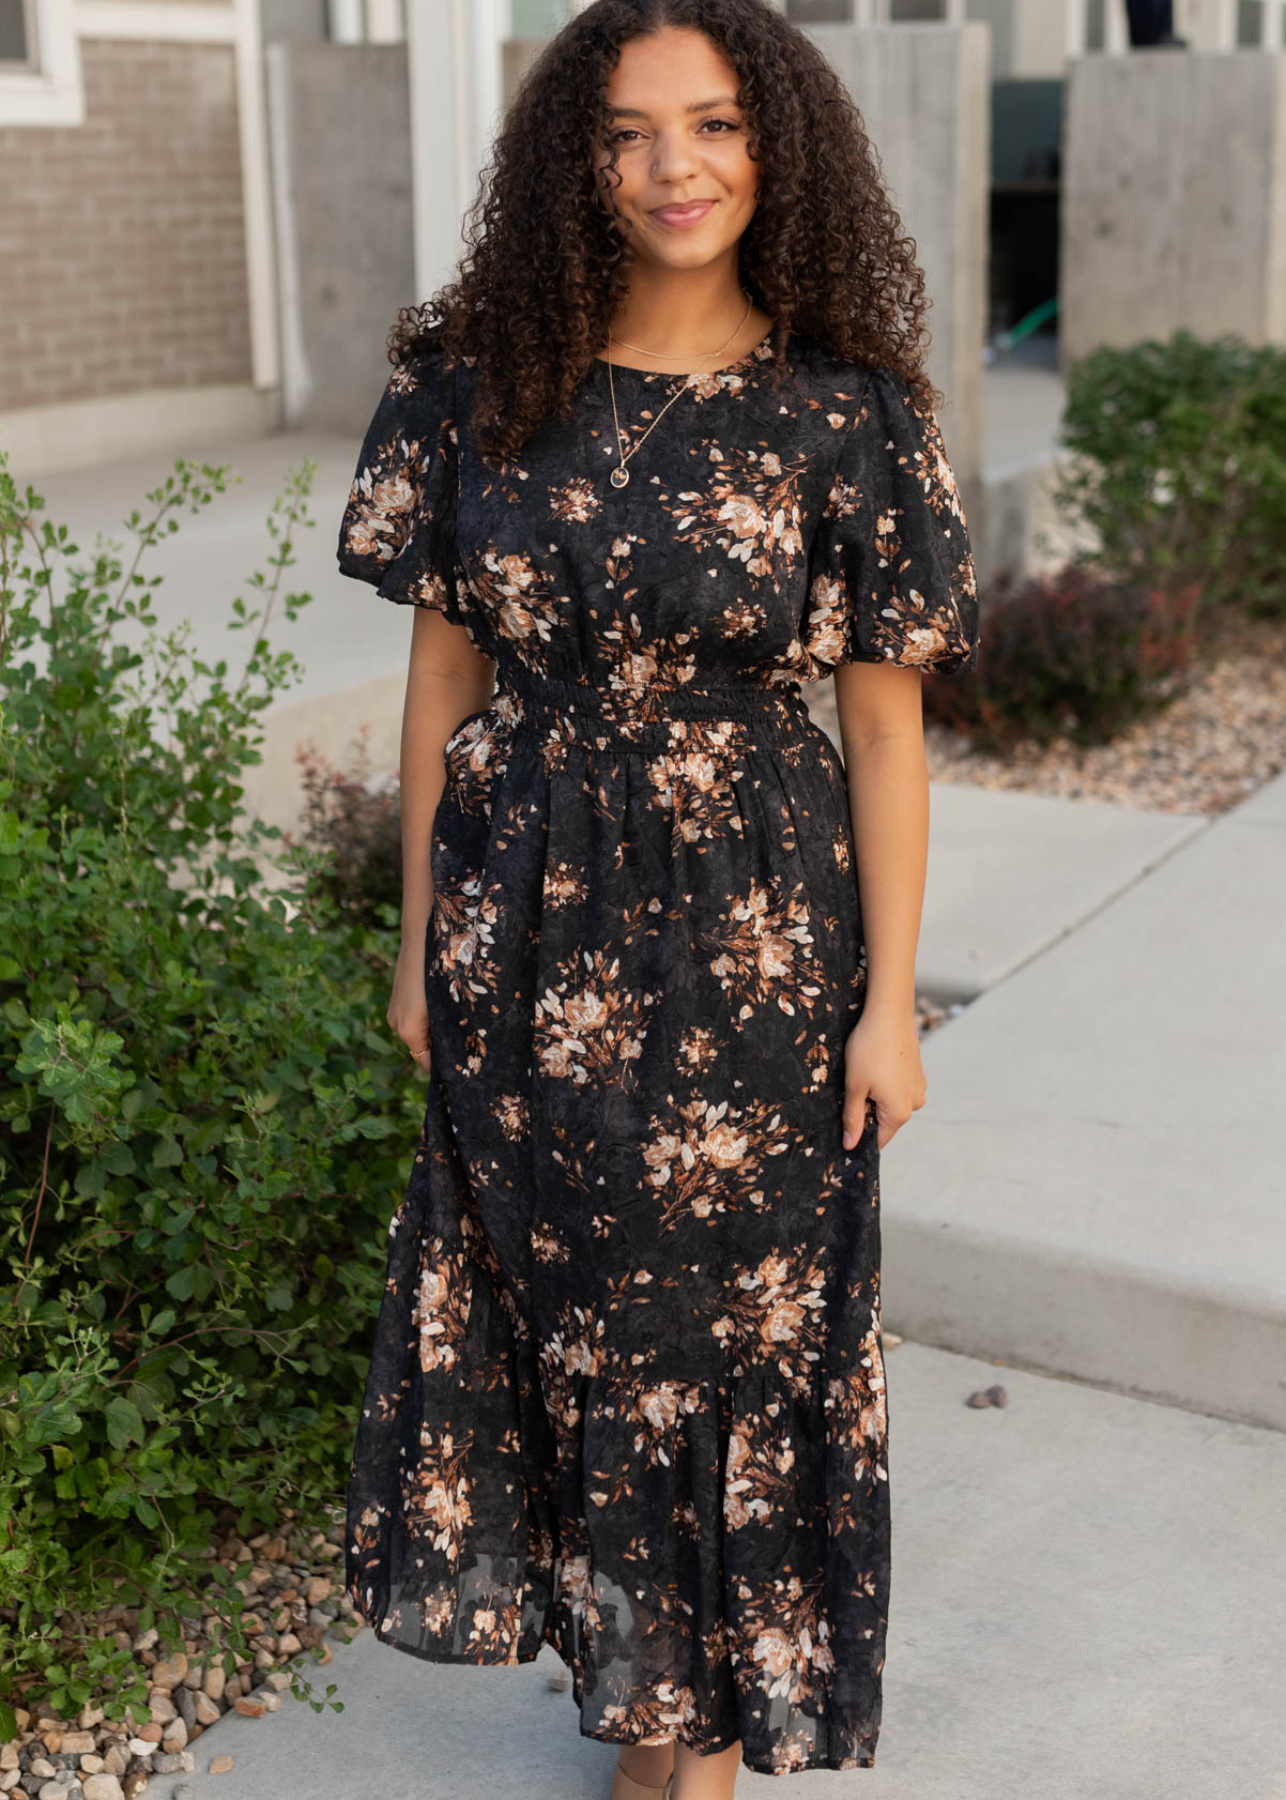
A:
{"x": 685, "y": 312}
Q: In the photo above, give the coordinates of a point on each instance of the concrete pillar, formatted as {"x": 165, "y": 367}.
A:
{"x": 924, "y": 92}
{"x": 340, "y": 135}
{"x": 1174, "y": 198}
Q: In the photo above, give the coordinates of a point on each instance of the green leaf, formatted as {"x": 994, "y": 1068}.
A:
{"x": 124, "y": 1421}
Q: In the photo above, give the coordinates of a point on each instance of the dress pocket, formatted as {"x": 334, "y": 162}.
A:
{"x": 472, "y": 760}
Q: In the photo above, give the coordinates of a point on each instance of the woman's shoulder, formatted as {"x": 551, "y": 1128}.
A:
{"x": 847, "y": 383}
{"x": 845, "y": 377}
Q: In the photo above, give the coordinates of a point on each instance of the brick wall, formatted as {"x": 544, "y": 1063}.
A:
{"x": 122, "y": 247}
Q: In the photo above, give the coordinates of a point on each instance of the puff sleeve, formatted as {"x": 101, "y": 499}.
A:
{"x": 891, "y": 574}
{"x": 398, "y": 526}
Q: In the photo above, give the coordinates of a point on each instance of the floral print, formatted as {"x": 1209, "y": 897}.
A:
{"x": 627, "y": 1395}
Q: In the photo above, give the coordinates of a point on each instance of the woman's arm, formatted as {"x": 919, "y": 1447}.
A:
{"x": 447, "y": 679}
{"x": 882, "y": 734}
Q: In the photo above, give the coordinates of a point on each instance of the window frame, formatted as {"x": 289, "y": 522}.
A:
{"x": 47, "y": 90}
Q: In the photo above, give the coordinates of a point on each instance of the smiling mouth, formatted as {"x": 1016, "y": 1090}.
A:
{"x": 680, "y": 213}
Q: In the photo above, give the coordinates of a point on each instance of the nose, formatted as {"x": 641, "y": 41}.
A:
{"x": 674, "y": 158}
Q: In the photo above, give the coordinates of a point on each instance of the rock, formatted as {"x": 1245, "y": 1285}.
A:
{"x": 151, "y": 1733}
{"x": 979, "y": 1397}
{"x": 103, "y": 1787}
{"x": 167, "y": 1762}
{"x": 270, "y": 1702}
{"x": 161, "y": 1707}
{"x": 221, "y": 1765}
{"x": 176, "y": 1735}
{"x": 75, "y": 1743}
{"x": 194, "y": 1675}
{"x": 41, "y": 1768}
{"x": 92, "y": 1764}
{"x": 115, "y": 1759}
{"x": 997, "y": 1396}
{"x": 53, "y": 1790}
{"x": 318, "y": 1589}
{"x": 146, "y": 1640}
{"x": 214, "y": 1681}
{"x": 8, "y": 1756}
{"x": 136, "y": 1783}
{"x": 89, "y": 1716}
{"x": 278, "y": 1681}
{"x": 249, "y": 1707}
{"x": 169, "y": 1674}
{"x": 9, "y": 1779}
{"x": 186, "y": 1698}
{"x": 288, "y": 1644}
{"x": 207, "y": 1713}
{"x": 560, "y": 1680}
{"x": 141, "y": 1746}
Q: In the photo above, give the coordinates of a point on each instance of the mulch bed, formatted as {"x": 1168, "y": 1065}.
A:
{"x": 1210, "y": 747}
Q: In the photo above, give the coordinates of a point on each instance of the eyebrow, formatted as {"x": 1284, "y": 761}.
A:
{"x": 637, "y": 112}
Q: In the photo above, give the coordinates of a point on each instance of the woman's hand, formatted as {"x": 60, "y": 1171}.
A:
{"x": 882, "y": 1062}
{"x": 408, "y": 1008}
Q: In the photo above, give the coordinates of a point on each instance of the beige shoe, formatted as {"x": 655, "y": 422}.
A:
{"x": 624, "y": 1787}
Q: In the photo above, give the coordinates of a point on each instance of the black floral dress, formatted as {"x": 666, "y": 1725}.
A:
{"x": 627, "y": 1395}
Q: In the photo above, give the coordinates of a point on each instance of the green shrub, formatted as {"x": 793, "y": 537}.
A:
{"x": 204, "y": 1120}
{"x": 1178, "y": 466}
{"x": 1068, "y": 655}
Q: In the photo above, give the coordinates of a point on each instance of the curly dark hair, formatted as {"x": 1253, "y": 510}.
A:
{"x": 545, "y": 268}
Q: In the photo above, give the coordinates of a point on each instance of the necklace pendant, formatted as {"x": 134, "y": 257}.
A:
{"x": 619, "y": 476}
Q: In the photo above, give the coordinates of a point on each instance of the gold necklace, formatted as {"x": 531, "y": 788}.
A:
{"x": 620, "y": 474}
{"x": 675, "y": 355}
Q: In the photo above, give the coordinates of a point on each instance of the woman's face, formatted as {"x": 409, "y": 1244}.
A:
{"x": 680, "y": 138}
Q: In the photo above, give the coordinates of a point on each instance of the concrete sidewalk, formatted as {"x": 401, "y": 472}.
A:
{"x": 1096, "y": 1185}
{"x": 1087, "y": 1596}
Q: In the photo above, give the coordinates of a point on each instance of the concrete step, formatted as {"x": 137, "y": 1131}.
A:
{"x": 1086, "y": 1600}
{"x": 1096, "y": 1185}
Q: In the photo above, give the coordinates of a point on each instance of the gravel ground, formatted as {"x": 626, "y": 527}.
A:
{"x": 1209, "y": 748}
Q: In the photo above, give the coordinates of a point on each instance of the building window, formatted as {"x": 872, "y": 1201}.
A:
{"x": 16, "y": 35}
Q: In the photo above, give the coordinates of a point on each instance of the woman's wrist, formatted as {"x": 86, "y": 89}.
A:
{"x": 890, "y": 1003}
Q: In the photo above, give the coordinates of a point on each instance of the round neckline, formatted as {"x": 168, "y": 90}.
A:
{"x": 756, "y": 353}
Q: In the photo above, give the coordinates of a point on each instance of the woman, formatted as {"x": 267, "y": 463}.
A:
{"x": 660, "y": 454}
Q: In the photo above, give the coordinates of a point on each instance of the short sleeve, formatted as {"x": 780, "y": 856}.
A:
{"x": 891, "y": 574}
{"x": 398, "y": 528}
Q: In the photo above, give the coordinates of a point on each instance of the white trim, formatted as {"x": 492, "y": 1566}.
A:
{"x": 155, "y": 20}
{"x": 1076, "y": 27}
{"x": 296, "y": 377}
{"x": 51, "y": 93}
{"x": 441, "y": 176}
{"x": 346, "y": 21}
{"x": 256, "y": 191}
{"x": 384, "y": 22}
{"x": 486, "y": 90}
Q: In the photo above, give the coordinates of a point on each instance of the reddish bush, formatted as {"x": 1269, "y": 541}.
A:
{"x": 356, "y": 821}
{"x": 1069, "y": 655}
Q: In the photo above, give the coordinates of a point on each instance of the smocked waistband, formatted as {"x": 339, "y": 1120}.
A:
{"x": 643, "y": 715}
